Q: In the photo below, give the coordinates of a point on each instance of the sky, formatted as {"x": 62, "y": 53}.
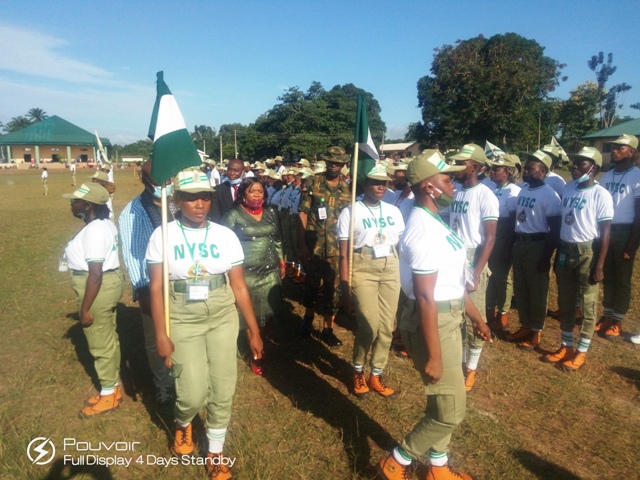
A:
{"x": 94, "y": 63}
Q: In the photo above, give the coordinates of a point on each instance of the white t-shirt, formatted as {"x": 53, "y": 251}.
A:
{"x": 507, "y": 198}
{"x": 404, "y": 205}
{"x": 390, "y": 196}
{"x": 428, "y": 246}
{"x": 487, "y": 182}
{"x": 44, "y": 175}
{"x": 533, "y": 206}
{"x": 472, "y": 207}
{"x": 214, "y": 177}
{"x": 384, "y": 219}
{"x": 582, "y": 210}
{"x": 96, "y": 242}
{"x": 556, "y": 182}
{"x": 280, "y": 169}
{"x": 624, "y": 187}
{"x": 248, "y": 174}
{"x": 221, "y": 250}
{"x": 72, "y": 167}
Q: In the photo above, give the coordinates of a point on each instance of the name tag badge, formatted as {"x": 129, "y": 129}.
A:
{"x": 197, "y": 291}
{"x": 322, "y": 213}
{"x": 381, "y": 251}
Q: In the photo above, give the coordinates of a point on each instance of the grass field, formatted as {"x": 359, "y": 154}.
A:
{"x": 525, "y": 419}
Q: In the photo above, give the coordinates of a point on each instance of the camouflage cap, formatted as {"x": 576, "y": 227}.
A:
{"x": 428, "y": 164}
{"x": 540, "y": 156}
{"x": 94, "y": 193}
{"x": 335, "y": 155}
{"x": 473, "y": 152}
{"x": 589, "y": 153}
{"x": 626, "y": 139}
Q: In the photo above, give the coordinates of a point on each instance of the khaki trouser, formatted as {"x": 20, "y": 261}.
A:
{"x": 530, "y": 287}
{"x": 204, "y": 334}
{"x": 45, "y": 186}
{"x": 161, "y": 374}
{"x": 478, "y": 297}
{"x": 376, "y": 289}
{"x": 574, "y": 264}
{"x": 500, "y": 286}
{"x": 618, "y": 271}
{"x": 447, "y": 399}
{"x": 101, "y": 335}
{"x": 287, "y": 235}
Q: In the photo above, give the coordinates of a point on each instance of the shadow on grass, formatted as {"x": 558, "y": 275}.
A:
{"x": 542, "y": 468}
{"x": 290, "y": 363}
{"x": 628, "y": 373}
{"x": 135, "y": 374}
{"x": 60, "y": 471}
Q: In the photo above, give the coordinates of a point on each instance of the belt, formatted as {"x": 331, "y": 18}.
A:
{"x": 447, "y": 305}
{"x": 215, "y": 281}
{"x": 82, "y": 273}
{"x": 531, "y": 237}
{"x": 575, "y": 245}
{"x": 368, "y": 249}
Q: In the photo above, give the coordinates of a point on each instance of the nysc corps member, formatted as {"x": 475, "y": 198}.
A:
{"x": 92, "y": 258}
{"x": 375, "y": 285}
{"x": 433, "y": 260}
{"x": 587, "y": 210}
{"x": 206, "y": 284}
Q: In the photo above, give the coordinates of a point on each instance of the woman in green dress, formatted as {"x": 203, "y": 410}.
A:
{"x": 258, "y": 227}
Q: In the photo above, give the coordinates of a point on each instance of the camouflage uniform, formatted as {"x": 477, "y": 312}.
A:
{"x": 321, "y": 237}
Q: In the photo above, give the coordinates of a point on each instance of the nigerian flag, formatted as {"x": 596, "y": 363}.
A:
{"x": 173, "y": 148}
{"x": 367, "y": 153}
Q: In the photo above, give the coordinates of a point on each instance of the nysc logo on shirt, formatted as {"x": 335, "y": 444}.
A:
{"x": 574, "y": 202}
{"x": 614, "y": 187}
{"x": 378, "y": 222}
{"x": 528, "y": 202}
{"x": 459, "y": 207}
{"x": 203, "y": 251}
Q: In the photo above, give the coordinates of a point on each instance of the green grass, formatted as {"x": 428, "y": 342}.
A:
{"x": 525, "y": 420}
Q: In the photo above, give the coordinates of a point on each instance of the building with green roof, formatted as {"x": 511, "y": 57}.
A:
{"x": 601, "y": 138}
{"x": 51, "y": 140}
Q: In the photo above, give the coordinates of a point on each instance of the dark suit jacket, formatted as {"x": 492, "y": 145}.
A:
{"x": 222, "y": 202}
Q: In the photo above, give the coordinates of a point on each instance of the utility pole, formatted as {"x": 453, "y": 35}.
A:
{"x": 235, "y": 142}
{"x": 539, "y": 121}
{"x": 220, "y": 136}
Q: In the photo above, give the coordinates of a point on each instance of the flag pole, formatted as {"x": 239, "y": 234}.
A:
{"x": 352, "y": 219}
{"x": 165, "y": 260}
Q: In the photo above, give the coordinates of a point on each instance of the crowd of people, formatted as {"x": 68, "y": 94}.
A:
{"x": 430, "y": 256}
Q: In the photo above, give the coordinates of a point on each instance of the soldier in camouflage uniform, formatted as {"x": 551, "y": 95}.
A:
{"x": 325, "y": 197}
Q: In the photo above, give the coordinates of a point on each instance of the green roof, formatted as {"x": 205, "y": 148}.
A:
{"x": 51, "y": 131}
{"x": 631, "y": 127}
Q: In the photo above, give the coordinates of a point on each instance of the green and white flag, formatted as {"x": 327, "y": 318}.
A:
{"x": 367, "y": 153}
{"x": 173, "y": 148}
{"x": 491, "y": 150}
{"x": 564, "y": 158}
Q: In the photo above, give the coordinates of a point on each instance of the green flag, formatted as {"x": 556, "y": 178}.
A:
{"x": 367, "y": 153}
{"x": 173, "y": 148}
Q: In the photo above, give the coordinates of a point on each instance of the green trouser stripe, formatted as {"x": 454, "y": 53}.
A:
{"x": 102, "y": 338}
{"x": 376, "y": 289}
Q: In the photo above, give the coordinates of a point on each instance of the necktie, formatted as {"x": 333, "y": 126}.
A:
{"x": 235, "y": 191}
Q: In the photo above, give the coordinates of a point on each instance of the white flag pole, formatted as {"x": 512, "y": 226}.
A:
{"x": 165, "y": 259}
{"x": 352, "y": 220}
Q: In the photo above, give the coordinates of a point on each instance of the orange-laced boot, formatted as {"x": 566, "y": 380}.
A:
{"x": 91, "y": 401}
{"x": 105, "y": 404}
{"x": 390, "y": 469}
{"x": 519, "y": 335}
{"x": 576, "y": 362}
{"x": 377, "y": 385}
{"x": 614, "y": 330}
{"x": 445, "y": 473}
{"x": 560, "y": 355}
{"x": 603, "y": 324}
{"x": 360, "y": 387}
{"x": 215, "y": 467}
{"x": 183, "y": 442}
{"x": 532, "y": 342}
{"x": 469, "y": 379}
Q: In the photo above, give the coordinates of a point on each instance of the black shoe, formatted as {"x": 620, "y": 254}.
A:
{"x": 329, "y": 338}
{"x": 306, "y": 328}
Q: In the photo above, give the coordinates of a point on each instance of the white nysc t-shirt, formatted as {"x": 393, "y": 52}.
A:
{"x": 96, "y": 242}
{"x": 373, "y": 225}
{"x": 533, "y": 206}
{"x": 507, "y": 198}
{"x": 624, "y": 187}
{"x": 429, "y": 246}
{"x": 195, "y": 250}
{"x": 582, "y": 210}
{"x": 472, "y": 207}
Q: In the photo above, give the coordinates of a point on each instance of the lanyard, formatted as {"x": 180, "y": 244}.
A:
{"x": 379, "y": 236}
{"x": 196, "y": 263}
{"x": 437, "y": 217}
{"x": 617, "y": 185}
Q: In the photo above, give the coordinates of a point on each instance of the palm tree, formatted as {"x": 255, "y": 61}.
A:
{"x": 17, "y": 123}
{"x": 36, "y": 115}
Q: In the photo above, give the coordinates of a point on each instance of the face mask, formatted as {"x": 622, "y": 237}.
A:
{"x": 236, "y": 181}
{"x": 254, "y": 204}
{"x": 81, "y": 216}
{"x": 443, "y": 201}
{"x": 584, "y": 177}
{"x": 157, "y": 191}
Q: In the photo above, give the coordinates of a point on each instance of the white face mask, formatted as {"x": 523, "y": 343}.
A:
{"x": 584, "y": 177}
{"x": 157, "y": 191}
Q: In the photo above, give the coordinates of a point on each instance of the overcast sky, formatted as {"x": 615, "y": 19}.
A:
{"x": 94, "y": 63}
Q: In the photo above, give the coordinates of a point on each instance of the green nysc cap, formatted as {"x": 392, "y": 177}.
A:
{"x": 192, "y": 180}
{"x": 590, "y": 153}
{"x": 506, "y": 160}
{"x": 471, "y": 151}
{"x": 428, "y": 164}
{"x": 626, "y": 139}
{"x": 378, "y": 172}
{"x": 540, "y": 156}
{"x": 94, "y": 193}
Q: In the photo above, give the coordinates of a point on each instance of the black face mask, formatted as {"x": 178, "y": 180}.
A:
{"x": 331, "y": 174}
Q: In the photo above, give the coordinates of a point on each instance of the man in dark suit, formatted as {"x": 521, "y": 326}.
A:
{"x": 225, "y": 193}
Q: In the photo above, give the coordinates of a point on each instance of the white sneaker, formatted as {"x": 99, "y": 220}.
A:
{"x": 636, "y": 339}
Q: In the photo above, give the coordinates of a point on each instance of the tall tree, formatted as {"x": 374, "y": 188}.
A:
{"x": 487, "y": 89}
{"x": 17, "y": 123}
{"x": 204, "y": 136}
{"x": 36, "y": 115}
{"x": 578, "y": 114}
{"x": 612, "y": 98}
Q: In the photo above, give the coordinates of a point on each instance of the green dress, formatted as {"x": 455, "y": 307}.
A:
{"x": 262, "y": 245}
